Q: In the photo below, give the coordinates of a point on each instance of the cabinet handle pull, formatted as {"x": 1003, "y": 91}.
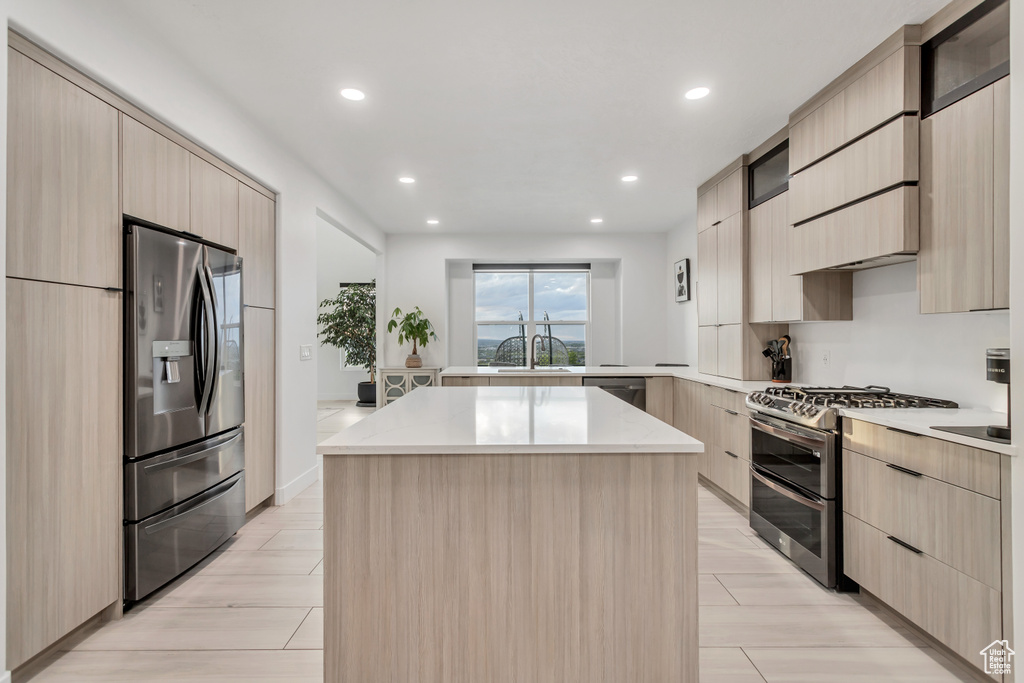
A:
{"x": 732, "y": 454}
{"x": 903, "y": 431}
{"x": 904, "y": 470}
{"x": 731, "y": 412}
{"x": 112, "y": 289}
{"x": 905, "y": 545}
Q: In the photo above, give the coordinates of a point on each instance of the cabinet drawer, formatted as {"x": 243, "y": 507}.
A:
{"x": 464, "y": 381}
{"x": 881, "y": 226}
{"x": 969, "y": 468}
{"x": 962, "y": 613}
{"x": 733, "y": 432}
{"x": 731, "y": 474}
{"x": 953, "y": 525}
{"x": 883, "y": 159}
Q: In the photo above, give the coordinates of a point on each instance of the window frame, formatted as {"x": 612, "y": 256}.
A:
{"x": 531, "y": 325}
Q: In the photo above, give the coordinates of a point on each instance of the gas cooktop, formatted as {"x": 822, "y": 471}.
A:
{"x": 816, "y": 406}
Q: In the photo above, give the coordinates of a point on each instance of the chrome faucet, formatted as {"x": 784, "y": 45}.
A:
{"x": 533, "y": 350}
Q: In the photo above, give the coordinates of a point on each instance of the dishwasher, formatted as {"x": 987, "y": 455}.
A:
{"x": 632, "y": 390}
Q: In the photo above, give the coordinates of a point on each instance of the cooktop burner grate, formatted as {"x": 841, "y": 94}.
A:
{"x": 856, "y": 397}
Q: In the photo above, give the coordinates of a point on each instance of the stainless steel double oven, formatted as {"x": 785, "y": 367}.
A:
{"x": 794, "y": 489}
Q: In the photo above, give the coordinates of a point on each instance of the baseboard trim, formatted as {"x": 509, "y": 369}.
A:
{"x": 296, "y": 486}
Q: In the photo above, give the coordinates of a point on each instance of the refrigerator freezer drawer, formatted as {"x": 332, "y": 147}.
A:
{"x": 165, "y": 545}
{"x": 156, "y": 483}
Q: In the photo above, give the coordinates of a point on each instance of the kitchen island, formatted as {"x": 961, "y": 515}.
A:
{"x": 506, "y": 534}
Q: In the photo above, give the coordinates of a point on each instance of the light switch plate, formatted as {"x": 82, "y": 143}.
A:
{"x": 306, "y": 352}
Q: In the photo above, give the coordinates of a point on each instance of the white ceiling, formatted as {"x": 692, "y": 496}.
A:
{"x": 523, "y": 115}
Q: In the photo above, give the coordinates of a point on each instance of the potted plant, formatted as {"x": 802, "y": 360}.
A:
{"x": 412, "y": 326}
{"x": 349, "y": 322}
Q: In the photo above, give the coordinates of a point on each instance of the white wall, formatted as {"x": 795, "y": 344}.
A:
{"x": 890, "y": 343}
{"x": 417, "y": 268}
{"x": 339, "y": 258}
{"x": 681, "y": 318}
{"x": 100, "y": 39}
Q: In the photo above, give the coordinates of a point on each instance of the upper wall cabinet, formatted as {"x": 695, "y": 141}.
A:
{"x": 777, "y": 296}
{"x": 722, "y": 199}
{"x": 156, "y": 175}
{"x": 964, "y": 262}
{"x": 858, "y": 101}
{"x": 63, "y": 222}
{"x": 256, "y": 246}
{"x": 854, "y": 157}
{"x": 214, "y": 203}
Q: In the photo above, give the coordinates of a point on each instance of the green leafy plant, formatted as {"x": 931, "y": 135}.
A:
{"x": 412, "y": 326}
{"x": 349, "y": 322}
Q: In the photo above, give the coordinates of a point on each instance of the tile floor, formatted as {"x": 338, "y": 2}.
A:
{"x": 254, "y": 612}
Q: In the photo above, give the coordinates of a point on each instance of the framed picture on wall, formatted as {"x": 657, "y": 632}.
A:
{"x": 682, "y": 279}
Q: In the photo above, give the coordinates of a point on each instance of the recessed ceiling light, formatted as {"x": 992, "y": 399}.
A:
{"x": 432, "y": 221}
{"x": 597, "y": 220}
{"x": 697, "y": 93}
{"x": 407, "y": 180}
{"x": 353, "y": 94}
{"x": 629, "y": 178}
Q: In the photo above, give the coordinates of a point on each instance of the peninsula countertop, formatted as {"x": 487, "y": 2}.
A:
{"x": 448, "y": 420}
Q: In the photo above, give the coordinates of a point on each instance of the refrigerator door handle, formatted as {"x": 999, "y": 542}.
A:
{"x": 209, "y": 341}
{"x": 215, "y": 343}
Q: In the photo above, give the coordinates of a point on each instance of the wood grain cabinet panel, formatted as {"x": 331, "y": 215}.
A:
{"x": 63, "y": 218}
{"x": 707, "y": 349}
{"x": 881, "y": 160}
{"x": 155, "y": 176}
{"x": 260, "y": 427}
{"x": 63, "y": 460}
{"x": 761, "y": 280}
{"x": 962, "y": 613}
{"x": 534, "y": 381}
{"x": 707, "y": 277}
{"x": 257, "y": 245}
{"x": 1001, "y": 194}
{"x": 732, "y": 267}
{"x": 882, "y": 226}
{"x": 731, "y": 197}
{"x": 659, "y": 398}
{"x": 214, "y": 203}
{"x": 960, "y": 265}
{"x": 707, "y": 209}
{"x": 464, "y": 382}
{"x": 956, "y": 526}
{"x": 970, "y": 468}
{"x": 730, "y": 351}
{"x": 818, "y": 133}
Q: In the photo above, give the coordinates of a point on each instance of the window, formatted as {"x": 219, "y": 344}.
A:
{"x": 967, "y": 56}
{"x": 514, "y": 303}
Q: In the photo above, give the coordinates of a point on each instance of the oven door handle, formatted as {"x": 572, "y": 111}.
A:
{"x": 787, "y": 492}
{"x": 816, "y": 445}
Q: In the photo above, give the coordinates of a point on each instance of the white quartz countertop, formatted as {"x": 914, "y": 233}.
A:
{"x": 921, "y": 421}
{"x": 689, "y": 373}
{"x": 916, "y": 420}
{"x": 449, "y": 420}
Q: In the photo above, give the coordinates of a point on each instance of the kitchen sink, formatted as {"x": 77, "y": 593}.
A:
{"x": 528, "y": 371}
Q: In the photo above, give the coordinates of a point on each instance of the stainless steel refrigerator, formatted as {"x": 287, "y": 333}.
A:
{"x": 184, "y": 479}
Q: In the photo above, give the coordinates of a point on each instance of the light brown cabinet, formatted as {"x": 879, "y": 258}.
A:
{"x": 257, "y": 247}
{"x": 63, "y": 218}
{"x": 707, "y": 209}
{"x": 884, "y": 159}
{"x": 707, "y": 277}
{"x": 731, "y": 197}
{"x": 777, "y": 296}
{"x": 464, "y": 382}
{"x": 63, "y": 460}
{"x": 883, "y": 91}
{"x": 534, "y": 381}
{"x": 155, "y": 176}
{"x": 659, "y": 398}
{"x": 923, "y": 531}
{"x": 260, "y": 428}
{"x": 731, "y": 269}
{"x": 963, "y": 264}
{"x": 214, "y": 203}
{"x": 707, "y": 349}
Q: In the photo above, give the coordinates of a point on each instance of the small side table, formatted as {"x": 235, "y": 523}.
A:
{"x": 394, "y": 383}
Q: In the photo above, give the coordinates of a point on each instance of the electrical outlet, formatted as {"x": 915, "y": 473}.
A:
{"x": 306, "y": 352}
{"x": 826, "y": 358}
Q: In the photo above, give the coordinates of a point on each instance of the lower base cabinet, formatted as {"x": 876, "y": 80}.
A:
{"x": 962, "y": 613}
{"x": 260, "y": 430}
{"x": 64, "y": 447}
